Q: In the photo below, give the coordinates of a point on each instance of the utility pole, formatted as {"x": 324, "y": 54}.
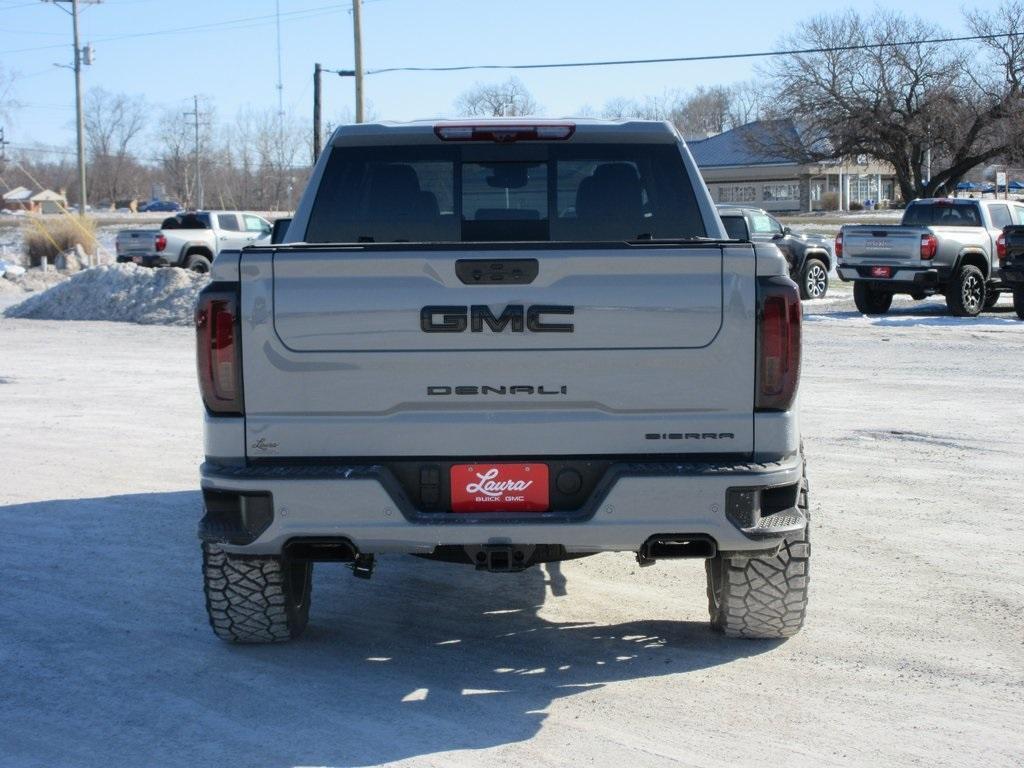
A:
{"x": 318, "y": 70}
{"x": 357, "y": 30}
{"x": 82, "y": 56}
{"x": 3, "y": 147}
{"x": 317, "y": 140}
{"x": 194, "y": 114}
{"x": 280, "y": 79}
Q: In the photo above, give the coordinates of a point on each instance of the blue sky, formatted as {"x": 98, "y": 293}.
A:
{"x": 237, "y": 65}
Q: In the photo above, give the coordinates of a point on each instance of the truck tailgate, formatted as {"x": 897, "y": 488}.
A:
{"x": 136, "y": 241}
{"x": 878, "y": 244}
{"x": 337, "y": 362}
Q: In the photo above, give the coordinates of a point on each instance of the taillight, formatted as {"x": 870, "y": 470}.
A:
{"x": 1001, "y": 246}
{"x": 504, "y": 134}
{"x": 161, "y": 242}
{"x": 218, "y": 351}
{"x": 839, "y": 245}
{"x": 778, "y": 354}
{"x": 929, "y": 247}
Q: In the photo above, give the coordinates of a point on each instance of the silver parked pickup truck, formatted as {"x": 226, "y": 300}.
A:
{"x": 943, "y": 245}
{"x": 502, "y": 343}
{"x": 191, "y": 240}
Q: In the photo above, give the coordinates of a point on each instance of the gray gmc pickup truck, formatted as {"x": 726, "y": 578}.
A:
{"x": 942, "y": 245}
{"x": 502, "y": 343}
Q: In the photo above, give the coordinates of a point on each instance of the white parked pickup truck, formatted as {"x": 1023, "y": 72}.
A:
{"x": 192, "y": 240}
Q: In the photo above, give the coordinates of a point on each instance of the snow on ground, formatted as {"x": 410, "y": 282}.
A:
{"x": 34, "y": 280}
{"x": 120, "y": 292}
{"x": 911, "y": 655}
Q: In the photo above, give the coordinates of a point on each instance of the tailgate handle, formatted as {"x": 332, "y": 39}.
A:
{"x": 491, "y": 271}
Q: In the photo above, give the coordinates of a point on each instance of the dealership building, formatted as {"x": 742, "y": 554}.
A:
{"x": 738, "y": 168}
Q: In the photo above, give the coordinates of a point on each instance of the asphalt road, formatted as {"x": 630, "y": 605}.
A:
{"x": 911, "y": 654}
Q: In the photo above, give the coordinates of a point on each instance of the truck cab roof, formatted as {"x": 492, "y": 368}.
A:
{"x": 582, "y": 129}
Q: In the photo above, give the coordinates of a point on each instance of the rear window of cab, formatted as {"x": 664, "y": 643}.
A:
{"x": 472, "y": 193}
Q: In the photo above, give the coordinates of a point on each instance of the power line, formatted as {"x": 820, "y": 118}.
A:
{"x": 245, "y": 22}
{"x": 714, "y": 57}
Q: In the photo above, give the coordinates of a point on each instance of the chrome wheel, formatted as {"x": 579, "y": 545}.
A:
{"x": 816, "y": 281}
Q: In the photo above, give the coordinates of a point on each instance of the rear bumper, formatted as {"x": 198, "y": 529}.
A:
{"x": 635, "y": 501}
{"x": 1013, "y": 275}
{"x": 903, "y": 278}
{"x": 149, "y": 260}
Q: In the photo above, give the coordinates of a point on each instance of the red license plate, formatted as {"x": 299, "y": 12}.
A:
{"x": 881, "y": 271}
{"x": 499, "y": 487}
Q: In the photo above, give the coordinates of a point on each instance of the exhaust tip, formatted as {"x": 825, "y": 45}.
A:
{"x": 677, "y": 546}
{"x": 321, "y": 550}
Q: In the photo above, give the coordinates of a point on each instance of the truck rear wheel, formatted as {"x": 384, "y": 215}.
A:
{"x": 965, "y": 296}
{"x": 1018, "y": 302}
{"x": 762, "y": 597}
{"x": 198, "y": 263}
{"x": 814, "y": 279}
{"x": 255, "y": 599}
{"x": 871, "y": 301}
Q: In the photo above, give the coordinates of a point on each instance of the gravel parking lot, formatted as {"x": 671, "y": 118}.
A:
{"x": 911, "y": 654}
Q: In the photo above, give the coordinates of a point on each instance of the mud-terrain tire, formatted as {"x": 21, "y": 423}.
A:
{"x": 1018, "y": 302}
{"x": 991, "y": 299}
{"x": 198, "y": 263}
{"x": 870, "y": 301}
{"x": 965, "y": 295}
{"x": 814, "y": 279}
{"x": 255, "y": 599}
{"x": 762, "y": 597}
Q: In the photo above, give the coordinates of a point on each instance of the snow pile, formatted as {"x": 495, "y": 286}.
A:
{"x": 118, "y": 292}
{"x": 34, "y": 279}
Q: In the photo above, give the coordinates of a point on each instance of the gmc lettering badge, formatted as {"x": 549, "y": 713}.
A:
{"x": 516, "y": 317}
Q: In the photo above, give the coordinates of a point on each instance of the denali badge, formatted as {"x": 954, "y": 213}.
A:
{"x": 456, "y": 319}
{"x": 518, "y": 389}
{"x": 690, "y": 436}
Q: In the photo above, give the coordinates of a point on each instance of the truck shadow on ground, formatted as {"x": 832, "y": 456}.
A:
{"x": 108, "y": 659}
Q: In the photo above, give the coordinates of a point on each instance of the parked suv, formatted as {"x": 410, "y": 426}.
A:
{"x": 809, "y": 256}
{"x": 191, "y": 240}
{"x": 942, "y": 245}
{"x": 502, "y": 343}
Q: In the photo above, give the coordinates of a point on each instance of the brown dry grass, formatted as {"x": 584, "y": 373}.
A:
{"x": 46, "y": 237}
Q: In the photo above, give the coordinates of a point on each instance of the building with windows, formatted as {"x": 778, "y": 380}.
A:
{"x": 738, "y": 167}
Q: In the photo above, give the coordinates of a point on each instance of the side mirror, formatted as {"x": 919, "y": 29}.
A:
{"x": 280, "y": 231}
{"x": 778, "y": 236}
{"x": 787, "y": 231}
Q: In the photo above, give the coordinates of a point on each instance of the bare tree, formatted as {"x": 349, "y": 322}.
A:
{"x": 7, "y": 102}
{"x": 507, "y": 99}
{"x": 748, "y": 101}
{"x": 703, "y": 112}
{"x": 176, "y": 154}
{"x": 644, "y": 108}
{"x": 113, "y": 121}
{"x": 905, "y": 103}
{"x": 346, "y": 116}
